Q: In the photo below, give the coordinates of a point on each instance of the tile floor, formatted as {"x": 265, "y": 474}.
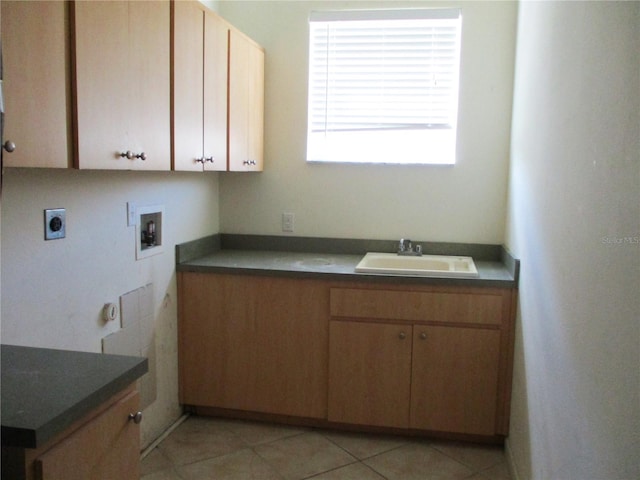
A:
{"x": 208, "y": 448}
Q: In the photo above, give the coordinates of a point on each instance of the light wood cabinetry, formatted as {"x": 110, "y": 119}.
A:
{"x": 103, "y": 445}
{"x": 246, "y": 103}
{"x": 121, "y": 84}
{"x": 106, "y": 447}
{"x": 253, "y": 343}
{"x": 454, "y": 382}
{"x": 199, "y": 88}
{"x": 35, "y": 44}
{"x": 454, "y": 340}
{"x": 130, "y": 85}
{"x": 370, "y": 373}
{"x": 426, "y": 358}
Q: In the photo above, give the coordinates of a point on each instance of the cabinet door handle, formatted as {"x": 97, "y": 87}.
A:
{"x": 128, "y": 154}
{"x": 209, "y": 159}
{"x": 136, "y": 417}
{"x": 423, "y": 336}
{"x": 9, "y": 146}
{"x": 199, "y": 160}
{"x": 250, "y": 162}
{"x": 142, "y": 156}
{"x": 402, "y": 336}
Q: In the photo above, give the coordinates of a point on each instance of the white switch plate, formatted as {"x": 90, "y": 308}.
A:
{"x": 288, "y": 222}
{"x": 131, "y": 214}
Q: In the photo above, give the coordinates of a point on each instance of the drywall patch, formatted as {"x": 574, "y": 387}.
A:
{"x": 137, "y": 337}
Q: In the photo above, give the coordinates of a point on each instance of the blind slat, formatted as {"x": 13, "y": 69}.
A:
{"x": 383, "y": 73}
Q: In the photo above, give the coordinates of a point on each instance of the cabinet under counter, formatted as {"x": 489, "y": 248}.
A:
{"x": 54, "y": 402}
{"x": 275, "y": 347}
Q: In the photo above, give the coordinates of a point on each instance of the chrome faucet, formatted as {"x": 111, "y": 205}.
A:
{"x": 406, "y": 248}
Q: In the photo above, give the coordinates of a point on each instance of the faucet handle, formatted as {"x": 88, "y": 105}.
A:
{"x": 405, "y": 245}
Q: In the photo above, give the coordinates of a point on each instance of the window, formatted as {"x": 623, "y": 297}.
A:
{"x": 383, "y": 86}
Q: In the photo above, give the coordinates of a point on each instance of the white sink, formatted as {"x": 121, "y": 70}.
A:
{"x": 425, "y": 265}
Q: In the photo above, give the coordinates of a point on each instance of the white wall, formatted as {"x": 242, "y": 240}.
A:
{"x": 53, "y": 291}
{"x": 574, "y": 221}
{"x": 463, "y": 203}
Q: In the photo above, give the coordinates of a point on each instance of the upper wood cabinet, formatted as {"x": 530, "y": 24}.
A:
{"x": 35, "y": 44}
{"x": 199, "y": 88}
{"x": 246, "y": 103}
{"x": 121, "y": 84}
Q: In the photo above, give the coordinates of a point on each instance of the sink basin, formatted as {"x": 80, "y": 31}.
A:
{"x": 425, "y": 265}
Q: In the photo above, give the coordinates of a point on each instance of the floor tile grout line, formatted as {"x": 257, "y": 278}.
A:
{"x": 328, "y": 432}
{"x": 248, "y": 444}
{"x": 315, "y": 475}
{"x": 462, "y": 462}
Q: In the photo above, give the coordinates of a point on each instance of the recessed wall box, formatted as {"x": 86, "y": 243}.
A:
{"x": 149, "y": 231}
{"x": 55, "y": 223}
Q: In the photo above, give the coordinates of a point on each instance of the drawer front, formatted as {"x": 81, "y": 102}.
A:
{"x": 475, "y": 308}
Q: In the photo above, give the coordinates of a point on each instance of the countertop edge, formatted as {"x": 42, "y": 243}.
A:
{"x": 34, "y": 436}
{"x": 492, "y": 274}
{"x": 267, "y": 255}
{"x": 88, "y": 404}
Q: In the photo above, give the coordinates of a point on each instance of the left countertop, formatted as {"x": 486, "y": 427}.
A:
{"x": 46, "y": 390}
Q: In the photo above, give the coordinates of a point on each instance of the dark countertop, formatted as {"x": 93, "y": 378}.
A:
{"x": 493, "y": 272}
{"x": 44, "y": 390}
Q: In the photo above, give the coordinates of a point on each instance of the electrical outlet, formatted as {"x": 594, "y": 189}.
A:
{"x": 55, "y": 223}
{"x": 288, "y": 222}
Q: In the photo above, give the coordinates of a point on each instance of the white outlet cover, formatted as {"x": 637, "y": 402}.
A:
{"x": 288, "y": 222}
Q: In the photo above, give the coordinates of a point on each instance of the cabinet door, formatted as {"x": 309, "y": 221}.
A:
{"x": 215, "y": 92}
{"x": 150, "y": 67}
{"x": 256, "y": 107}
{"x": 454, "y": 384}
{"x": 121, "y": 84}
{"x": 246, "y": 103}
{"x": 253, "y": 343}
{"x": 106, "y": 447}
{"x": 188, "y": 88}
{"x": 36, "y": 83}
{"x": 369, "y": 373}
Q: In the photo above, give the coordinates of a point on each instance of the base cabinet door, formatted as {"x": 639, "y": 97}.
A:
{"x": 253, "y": 343}
{"x": 454, "y": 386}
{"x": 437, "y": 378}
{"x": 369, "y": 373}
{"x": 108, "y": 447}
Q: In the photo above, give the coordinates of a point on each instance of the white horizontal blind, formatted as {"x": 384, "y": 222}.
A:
{"x": 383, "y": 70}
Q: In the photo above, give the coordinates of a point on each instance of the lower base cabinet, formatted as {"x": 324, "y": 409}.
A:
{"x": 414, "y": 376}
{"x": 253, "y": 343}
{"x": 415, "y": 357}
{"x": 454, "y": 381}
{"x": 103, "y": 445}
{"x": 370, "y": 373}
